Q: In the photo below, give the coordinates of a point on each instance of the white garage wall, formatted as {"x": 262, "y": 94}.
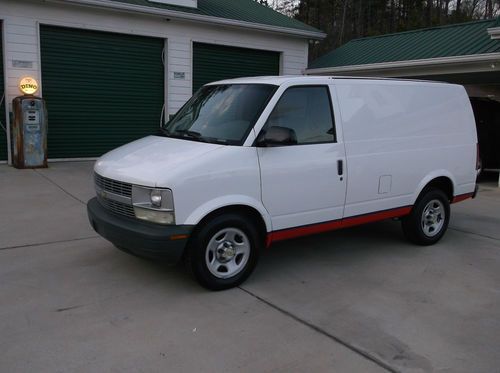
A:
{"x": 21, "y": 30}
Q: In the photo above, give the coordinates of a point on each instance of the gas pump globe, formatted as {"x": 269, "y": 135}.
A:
{"x": 29, "y": 127}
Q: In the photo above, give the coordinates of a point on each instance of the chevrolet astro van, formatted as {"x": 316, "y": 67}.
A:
{"x": 249, "y": 162}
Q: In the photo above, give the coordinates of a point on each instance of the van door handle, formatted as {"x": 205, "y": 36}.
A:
{"x": 340, "y": 167}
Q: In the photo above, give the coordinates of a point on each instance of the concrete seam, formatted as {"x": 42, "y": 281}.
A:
{"x": 473, "y": 233}
{"x": 365, "y": 354}
{"x": 60, "y": 187}
{"x": 46, "y": 243}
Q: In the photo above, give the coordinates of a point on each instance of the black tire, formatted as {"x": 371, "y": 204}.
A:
{"x": 413, "y": 226}
{"x": 198, "y": 254}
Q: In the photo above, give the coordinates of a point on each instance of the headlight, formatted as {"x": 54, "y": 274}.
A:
{"x": 153, "y": 204}
{"x": 156, "y": 198}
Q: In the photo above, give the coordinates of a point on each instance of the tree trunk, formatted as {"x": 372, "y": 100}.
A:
{"x": 342, "y": 25}
{"x": 429, "y": 12}
{"x": 393, "y": 16}
{"x": 360, "y": 19}
{"x": 488, "y": 12}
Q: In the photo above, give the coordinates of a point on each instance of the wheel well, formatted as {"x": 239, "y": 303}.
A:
{"x": 247, "y": 211}
{"x": 443, "y": 183}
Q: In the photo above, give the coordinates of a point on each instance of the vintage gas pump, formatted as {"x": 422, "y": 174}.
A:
{"x": 29, "y": 127}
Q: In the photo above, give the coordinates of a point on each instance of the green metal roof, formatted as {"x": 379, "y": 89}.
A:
{"x": 239, "y": 10}
{"x": 461, "y": 39}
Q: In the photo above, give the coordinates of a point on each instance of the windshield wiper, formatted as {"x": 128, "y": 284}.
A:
{"x": 189, "y": 133}
{"x": 194, "y": 135}
{"x": 164, "y": 132}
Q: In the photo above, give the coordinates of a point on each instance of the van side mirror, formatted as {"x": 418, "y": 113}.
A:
{"x": 276, "y": 136}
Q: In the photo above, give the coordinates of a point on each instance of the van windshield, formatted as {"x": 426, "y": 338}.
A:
{"x": 220, "y": 113}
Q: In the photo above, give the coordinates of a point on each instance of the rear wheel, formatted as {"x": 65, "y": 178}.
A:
{"x": 428, "y": 221}
{"x": 223, "y": 252}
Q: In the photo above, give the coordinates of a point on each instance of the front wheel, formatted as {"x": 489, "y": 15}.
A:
{"x": 428, "y": 221}
{"x": 223, "y": 252}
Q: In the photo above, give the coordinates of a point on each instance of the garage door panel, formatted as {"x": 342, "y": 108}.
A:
{"x": 215, "y": 62}
{"x": 102, "y": 89}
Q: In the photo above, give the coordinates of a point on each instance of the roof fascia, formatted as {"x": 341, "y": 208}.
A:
{"x": 195, "y": 17}
{"x": 431, "y": 66}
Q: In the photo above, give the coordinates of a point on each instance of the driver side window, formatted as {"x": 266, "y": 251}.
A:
{"x": 307, "y": 111}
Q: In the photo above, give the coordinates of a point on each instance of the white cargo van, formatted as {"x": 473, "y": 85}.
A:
{"x": 248, "y": 162}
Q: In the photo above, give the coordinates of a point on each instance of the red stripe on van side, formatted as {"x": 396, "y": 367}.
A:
{"x": 462, "y": 197}
{"x": 370, "y": 218}
{"x": 286, "y": 234}
{"x": 307, "y": 230}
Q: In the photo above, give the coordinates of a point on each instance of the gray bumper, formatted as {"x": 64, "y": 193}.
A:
{"x": 141, "y": 238}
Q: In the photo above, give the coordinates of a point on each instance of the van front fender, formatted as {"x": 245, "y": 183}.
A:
{"x": 227, "y": 201}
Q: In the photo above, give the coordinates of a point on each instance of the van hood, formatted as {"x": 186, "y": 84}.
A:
{"x": 150, "y": 160}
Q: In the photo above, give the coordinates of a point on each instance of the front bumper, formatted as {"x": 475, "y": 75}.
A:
{"x": 141, "y": 238}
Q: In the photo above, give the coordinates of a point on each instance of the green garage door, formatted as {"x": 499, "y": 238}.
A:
{"x": 102, "y": 89}
{"x": 215, "y": 62}
{"x": 3, "y": 126}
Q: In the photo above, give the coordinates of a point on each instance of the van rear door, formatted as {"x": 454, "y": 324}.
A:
{"x": 304, "y": 183}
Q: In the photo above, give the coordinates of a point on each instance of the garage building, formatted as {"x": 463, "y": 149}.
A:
{"x": 112, "y": 70}
{"x": 466, "y": 53}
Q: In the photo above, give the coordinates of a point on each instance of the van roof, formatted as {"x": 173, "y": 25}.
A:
{"x": 279, "y": 80}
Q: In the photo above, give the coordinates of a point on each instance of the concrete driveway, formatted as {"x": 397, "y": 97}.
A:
{"x": 358, "y": 300}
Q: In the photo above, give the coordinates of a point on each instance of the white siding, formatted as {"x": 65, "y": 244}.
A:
{"x": 179, "y": 60}
{"x": 21, "y": 43}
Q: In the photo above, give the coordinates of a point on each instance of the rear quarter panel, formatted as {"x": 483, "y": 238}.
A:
{"x": 405, "y": 133}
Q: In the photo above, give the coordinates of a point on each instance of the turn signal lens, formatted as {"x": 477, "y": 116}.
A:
{"x": 155, "y": 216}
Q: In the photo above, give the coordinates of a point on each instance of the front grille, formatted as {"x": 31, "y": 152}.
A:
{"x": 113, "y": 186}
{"x": 117, "y": 207}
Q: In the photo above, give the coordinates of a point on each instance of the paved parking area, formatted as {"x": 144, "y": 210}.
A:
{"x": 358, "y": 300}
